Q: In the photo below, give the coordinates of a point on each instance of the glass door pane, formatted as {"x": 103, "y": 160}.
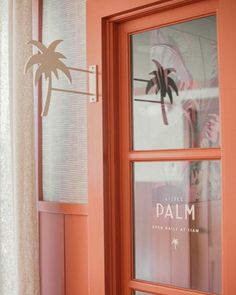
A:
{"x": 177, "y": 223}
{"x": 175, "y": 97}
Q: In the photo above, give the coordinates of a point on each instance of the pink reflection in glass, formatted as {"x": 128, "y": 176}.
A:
{"x": 175, "y": 96}
{"x": 177, "y": 224}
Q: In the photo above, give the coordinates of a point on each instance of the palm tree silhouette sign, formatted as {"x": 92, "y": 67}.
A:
{"x": 161, "y": 82}
{"x": 49, "y": 62}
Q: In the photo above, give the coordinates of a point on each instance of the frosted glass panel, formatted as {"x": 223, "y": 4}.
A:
{"x": 175, "y": 93}
{"x": 177, "y": 224}
{"x": 65, "y": 127}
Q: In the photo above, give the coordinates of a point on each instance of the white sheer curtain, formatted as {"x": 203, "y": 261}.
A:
{"x": 18, "y": 218}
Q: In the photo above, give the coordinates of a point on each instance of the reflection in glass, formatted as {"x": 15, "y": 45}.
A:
{"x": 175, "y": 86}
{"x": 177, "y": 224}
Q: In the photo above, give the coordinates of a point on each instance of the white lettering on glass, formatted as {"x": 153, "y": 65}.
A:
{"x": 189, "y": 211}
{"x": 160, "y": 209}
{"x": 169, "y": 212}
{"x": 175, "y": 212}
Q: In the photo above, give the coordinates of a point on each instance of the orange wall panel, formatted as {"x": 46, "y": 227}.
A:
{"x": 52, "y": 254}
{"x": 76, "y": 254}
{"x": 96, "y": 10}
{"x": 63, "y": 230}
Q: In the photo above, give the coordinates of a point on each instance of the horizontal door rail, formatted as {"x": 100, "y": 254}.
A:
{"x": 176, "y": 155}
{"x": 162, "y": 290}
{"x": 63, "y": 208}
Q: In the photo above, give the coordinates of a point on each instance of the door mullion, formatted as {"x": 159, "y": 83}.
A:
{"x": 175, "y": 155}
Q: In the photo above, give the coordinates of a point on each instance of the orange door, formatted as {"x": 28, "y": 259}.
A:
{"x": 169, "y": 103}
{"x": 161, "y": 185}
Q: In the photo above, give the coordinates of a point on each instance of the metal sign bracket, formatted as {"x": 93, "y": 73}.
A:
{"x": 49, "y": 61}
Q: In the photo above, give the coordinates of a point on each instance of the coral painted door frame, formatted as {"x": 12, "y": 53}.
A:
{"x": 117, "y": 133}
{"x": 106, "y": 251}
